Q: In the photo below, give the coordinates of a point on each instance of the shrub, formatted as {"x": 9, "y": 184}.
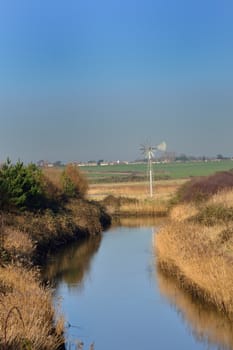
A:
{"x": 202, "y": 188}
{"x": 73, "y": 181}
{"x": 52, "y": 193}
{"x": 20, "y": 186}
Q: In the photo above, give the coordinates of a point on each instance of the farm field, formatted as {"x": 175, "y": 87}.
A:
{"x": 138, "y": 172}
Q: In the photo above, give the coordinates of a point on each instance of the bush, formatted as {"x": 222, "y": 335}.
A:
{"x": 202, "y": 188}
{"x": 73, "y": 181}
{"x": 53, "y": 194}
{"x": 20, "y": 186}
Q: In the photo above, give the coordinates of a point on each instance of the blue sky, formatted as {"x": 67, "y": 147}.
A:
{"x": 92, "y": 79}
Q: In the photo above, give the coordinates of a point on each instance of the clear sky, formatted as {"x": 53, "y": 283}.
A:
{"x": 93, "y": 79}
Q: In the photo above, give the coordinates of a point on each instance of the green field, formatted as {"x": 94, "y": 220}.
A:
{"x": 137, "y": 172}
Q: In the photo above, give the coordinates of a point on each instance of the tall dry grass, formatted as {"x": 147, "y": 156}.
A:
{"x": 26, "y": 312}
{"x": 144, "y": 207}
{"x": 182, "y": 212}
{"x": 163, "y": 190}
{"x": 223, "y": 198}
{"x": 54, "y": 175}
{"x": 133, "y": 207}
{"x": 197, "y": 247}
{"x": 132, "y": 198}
{"x": 200, "y": 262}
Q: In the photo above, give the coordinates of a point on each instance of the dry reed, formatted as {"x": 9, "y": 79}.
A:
{"x": 163, "y": 190}
{"x": 199, "y": 255}
{"x": 183, "y": 212}
{"x": 223, "y": 198}
{"x": 26, "y": 312}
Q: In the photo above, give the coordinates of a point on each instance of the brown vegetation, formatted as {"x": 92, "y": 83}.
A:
{"x": 126, "y": 207}
{"x": 26, "y": 312}
{"x": 70, "y": 179}
{"x": 202, "y": 188}
{"x": 27, "y": 235}
{"x": 132, "y": 199}
{"x": 196, "y": 246}
{"x": 163, "y": 190}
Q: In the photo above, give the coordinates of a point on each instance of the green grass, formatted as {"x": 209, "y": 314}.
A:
{"x": 129, "y": 172}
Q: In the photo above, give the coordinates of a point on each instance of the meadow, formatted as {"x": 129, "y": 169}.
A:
{"x": 161, "y": 171}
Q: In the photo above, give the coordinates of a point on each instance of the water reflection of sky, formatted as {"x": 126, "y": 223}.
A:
{"x": 121, "y": 305}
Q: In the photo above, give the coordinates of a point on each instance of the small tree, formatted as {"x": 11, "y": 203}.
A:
{"x": 20, "y": 186}
{"x": 73, "y": 181}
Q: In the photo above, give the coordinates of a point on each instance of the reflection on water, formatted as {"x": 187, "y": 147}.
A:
{"x": 147, "y": 221}
{"x": 72, "y": 264}
{"x": 124, "y": 303}
{"x": 205, "y": 323}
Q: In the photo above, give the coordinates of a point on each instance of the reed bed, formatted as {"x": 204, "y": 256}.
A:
{"x": 144, "y": 207}
{"x": 223, "y": 198}
{"x": 133, "y": 207}
{"x": 131, "y": 199}
{"x": 163, "y": 190}
{"x": 196, "y": 246}
{"x": 26, "y": 312}
{"x": 182, "y": 212}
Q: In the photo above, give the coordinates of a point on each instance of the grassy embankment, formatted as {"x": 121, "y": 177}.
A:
{"x": 39, "y": 212}
{"x": 196, "y": 246}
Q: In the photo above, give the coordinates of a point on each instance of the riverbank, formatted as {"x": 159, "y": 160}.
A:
{"x": 196, "y": 247}
{"x": 27, "y": 318}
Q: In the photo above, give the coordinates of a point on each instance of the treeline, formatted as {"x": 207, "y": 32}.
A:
{"x": 26, "y": 187}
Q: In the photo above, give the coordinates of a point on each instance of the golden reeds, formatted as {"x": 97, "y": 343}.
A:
{"x": 164, "y": 190}
{"x": 26, "y": 312}
{"x": 200, "y": 255}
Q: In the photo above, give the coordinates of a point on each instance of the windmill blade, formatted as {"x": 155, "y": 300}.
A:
{"x": 162, "y": 146}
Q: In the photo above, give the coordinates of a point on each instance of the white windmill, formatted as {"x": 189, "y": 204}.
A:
{"x": 148, "y": 152}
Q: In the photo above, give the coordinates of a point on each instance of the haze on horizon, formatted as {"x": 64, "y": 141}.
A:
{"x": 89, "y": 79}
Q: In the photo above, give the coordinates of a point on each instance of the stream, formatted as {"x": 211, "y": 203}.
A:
{"x": 113, "y": 296}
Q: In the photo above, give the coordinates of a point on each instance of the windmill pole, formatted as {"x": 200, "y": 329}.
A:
{"x": 150, "y": 174}
{"x": 148, "y": 152}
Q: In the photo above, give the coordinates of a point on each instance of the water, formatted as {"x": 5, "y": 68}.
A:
{"x": 113, "y": 295}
